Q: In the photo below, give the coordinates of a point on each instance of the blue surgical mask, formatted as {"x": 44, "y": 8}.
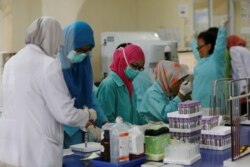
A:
{"x": 129, "y": 71}
{"x": 75, "y": 57}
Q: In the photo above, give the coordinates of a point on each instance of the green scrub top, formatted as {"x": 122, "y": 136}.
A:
{"x": 209, "y": 69}
{"x": 116, "y": 101}
{"x": 156, "y": 104}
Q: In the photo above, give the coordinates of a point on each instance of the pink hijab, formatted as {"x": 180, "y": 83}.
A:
{"x": 234, "y": 40}
{"x": 167, "y": 73}
{"x": 133, "y": 53}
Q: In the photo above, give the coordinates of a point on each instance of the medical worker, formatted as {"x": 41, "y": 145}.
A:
{"x": 36, "y": 101}
{"x": 167, "y": 91}
{"x": 209, "y": 52}
{"x": 116, "y": 92}
{"x": 141, "y": 82}
{"x": 77, "y": 71}
{"x": 240, "y": 60}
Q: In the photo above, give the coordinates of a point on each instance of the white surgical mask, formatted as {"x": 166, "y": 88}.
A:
{"x": 75, "y": 57}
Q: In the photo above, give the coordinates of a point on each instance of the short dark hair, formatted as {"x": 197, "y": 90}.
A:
{"x": 123, "y": 45}
{"x": 209, "y": 38}
{"x": 214, "y": 31}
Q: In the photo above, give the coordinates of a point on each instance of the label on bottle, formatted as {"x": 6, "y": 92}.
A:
{"x": 123, "y": 147}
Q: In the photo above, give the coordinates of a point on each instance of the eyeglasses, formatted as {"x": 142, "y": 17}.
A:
{"x": 199, "y": 47}
{"x": 83, "y": 50}
{"x": 136, "y": 67}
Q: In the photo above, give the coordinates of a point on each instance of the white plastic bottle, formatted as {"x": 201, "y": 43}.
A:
{"x": 119, "y": 142}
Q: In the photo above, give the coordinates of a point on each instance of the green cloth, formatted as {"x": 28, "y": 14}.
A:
{"x": 228, "y": 64}
{"x": 116, "y": 101}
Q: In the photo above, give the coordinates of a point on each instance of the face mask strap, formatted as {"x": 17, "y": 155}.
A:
{"x": 124, "y": 55}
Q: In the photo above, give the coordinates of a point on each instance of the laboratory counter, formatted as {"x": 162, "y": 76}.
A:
{"x": 209, "y": 158}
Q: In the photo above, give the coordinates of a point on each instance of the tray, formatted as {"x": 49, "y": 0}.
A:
{"x": 182, "y": 162}
{"x": 91, "y": 147}
{"x": 97, "y": 162}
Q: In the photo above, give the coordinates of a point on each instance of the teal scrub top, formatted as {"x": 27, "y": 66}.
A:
{"x": 208, "y": 69}
{"x": 156, "y": 104}
{"x": 116, "y": 101}
{"x": 101, "y": 117}
{"x": 141, "y": 83}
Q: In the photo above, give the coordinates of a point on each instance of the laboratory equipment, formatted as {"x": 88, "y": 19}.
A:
{"x": 182, "y": 153}
{"x": 235, "y": 117}
{"x": 119, "y": 142}
{"x": 136, "y": 143}
{"x": 189, "y": 107}
{"x": 91, "y": 147}
{"x": 209, "y": 122}
{"x": 185, "y": 127}
{"x": 152, "y": 164}
{"x": 157, "y": 137}
{"x": 153, "y": 47}
{"x": 217, "y": 138}
{"x": 223, "y": 89}
{"x": 105, "y": 151}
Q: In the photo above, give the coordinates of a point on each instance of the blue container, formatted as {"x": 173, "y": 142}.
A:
{"x": 97, "y": 162}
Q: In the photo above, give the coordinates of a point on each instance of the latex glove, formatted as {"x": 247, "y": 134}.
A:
{"x": 95, "y": 131}
{"x": 92, "y": 114}
{"x": 185, "y": 88}
{"x": 224, "y": 21}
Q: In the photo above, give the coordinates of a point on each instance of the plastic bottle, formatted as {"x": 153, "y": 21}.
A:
{"x": 105, "y": 142}
{"x": 119, "y": 142}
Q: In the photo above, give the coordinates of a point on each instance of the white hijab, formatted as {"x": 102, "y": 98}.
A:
{"x": 47, "y": 33}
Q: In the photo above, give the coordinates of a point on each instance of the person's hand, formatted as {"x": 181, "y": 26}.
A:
{"x": 194, "y": 35}
{"x": 95, "y": 131}
{"x": 185, "y": 88}
{"x": 92, "y": 113}
{"x": 224, "y": 21}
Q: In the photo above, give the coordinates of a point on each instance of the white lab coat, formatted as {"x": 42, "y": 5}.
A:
{"x": 240, "y": 61}
{"x": 36, "y": 104}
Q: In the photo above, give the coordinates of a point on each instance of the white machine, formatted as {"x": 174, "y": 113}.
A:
{"x": 153, "y": 47}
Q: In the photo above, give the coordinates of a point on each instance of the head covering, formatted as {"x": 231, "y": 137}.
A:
{"x": 78, "y": 76}
{"x": 234, "y": 40}
{"x": 133, "y": 53}
{"x": 167, "y": 73}
{"x": 45, "y": 32}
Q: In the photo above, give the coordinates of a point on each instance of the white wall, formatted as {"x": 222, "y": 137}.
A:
{"x": 102, "y": 15}
{"x": 152, "y": 15}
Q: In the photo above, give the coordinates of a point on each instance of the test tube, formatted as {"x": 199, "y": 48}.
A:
{"x": 170, "y": 122}
{"x": 186, "y": 123}
{"x": 86, "y": 137}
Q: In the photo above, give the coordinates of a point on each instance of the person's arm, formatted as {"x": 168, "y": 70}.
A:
{"x": 106, "y": 94}
{"x": 194, "y": 49}
{"x": 156, "y": 105}
{"x": 101, "y": 117}
{"x": 56, "y": 95}
{"x": 220, "y": 45}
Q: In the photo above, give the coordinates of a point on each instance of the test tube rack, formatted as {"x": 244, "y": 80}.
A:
{"x": 185, "y": 127}
{"x": 217, "y": 138}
